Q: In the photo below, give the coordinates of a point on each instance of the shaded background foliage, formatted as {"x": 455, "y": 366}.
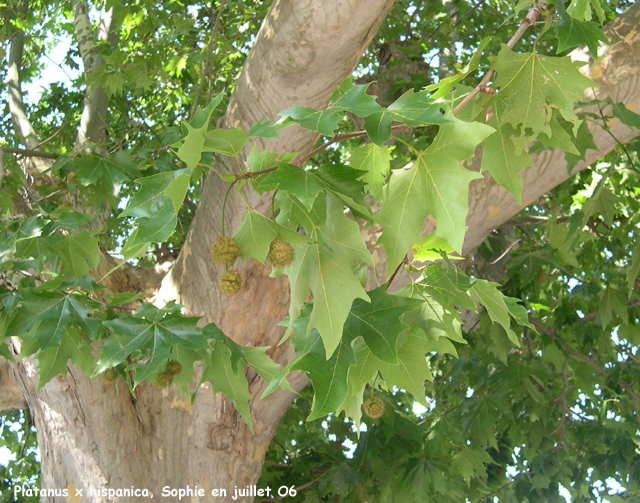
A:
{"x": 507, "y": 423}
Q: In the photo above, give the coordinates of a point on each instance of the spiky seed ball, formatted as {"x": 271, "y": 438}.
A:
{"x": 110, "y": 375}
{"x": 373, "y": 407}
{"x": 173, "y": 368}
{"x": 281, "y": 254}
{"x": 230, "y": 282}
{"x": 225, "y": 250}
{"x": 164, "y": 379}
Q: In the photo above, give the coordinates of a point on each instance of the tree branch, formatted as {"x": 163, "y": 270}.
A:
{"x": 28, "y": 152}
{"x": 550, "y": 332}
{"x": 93, "y": 123}
{"x": 21, "y": 123}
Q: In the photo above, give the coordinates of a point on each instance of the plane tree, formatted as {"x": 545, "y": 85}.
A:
{"x": 229, "y": 205}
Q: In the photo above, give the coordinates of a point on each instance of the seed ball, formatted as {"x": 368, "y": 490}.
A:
{"x": 164, "y": 379}
{"x": 110, "y": 375}
{"x": 373, "y": 407}
{"x": 225, "y": 250}
{"x": 281, "y": 254}
{"x": 173, "y": 368}
{"x": 230, "y": 282}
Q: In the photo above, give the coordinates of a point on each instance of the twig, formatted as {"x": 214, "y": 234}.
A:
{"x": 29, "y": 152}
{"x": 593, "y": 316}
{"x": 529, "y": 19}
{"x": 505, "y": 252}
{"x": 300, "y": 163}
{"x": 52, "y": 136}
{"x": 550, "y": 332}
{"x": 340, "y": 137}
{"x": 405, "y": 260}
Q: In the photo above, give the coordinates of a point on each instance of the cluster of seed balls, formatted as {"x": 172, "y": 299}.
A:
{"x": 171, "y": 369}
{"x": 225, "y": 250}
{"x": 163, "y": 378}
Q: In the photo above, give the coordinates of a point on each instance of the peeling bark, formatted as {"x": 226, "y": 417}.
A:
{"x": 10, "y": 395}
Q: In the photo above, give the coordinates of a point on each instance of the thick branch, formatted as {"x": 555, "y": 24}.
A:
{"x": 28, "y": 152}
{"x": 93, "y": 123}
{"x": 21, "y": 123}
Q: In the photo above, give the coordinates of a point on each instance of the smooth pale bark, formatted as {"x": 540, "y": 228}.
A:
{"x": 93, "y": 435}
{"x": 93, "y": 123}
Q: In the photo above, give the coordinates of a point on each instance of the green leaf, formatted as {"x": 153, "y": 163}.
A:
{"x": 626, "y": 116}
{"x": 225, "y": 141}
{"x": 504, "y": 160}
{"x": 447, "y": 286}
{"x": 410, "y": 373}
{"x": 436, "y": 173}
{"x": 583, "y": 142}
{"x": 375, "y": 162}
{"x": 78, "y": 253}
{"x": 581, "y": 10}
{"x": 158, "y": 228}
{"x": 262, "y": 364}
{"x": 153, "y": 334}
{"x": 265, "y": 128}
{"x": 379, "y": 322}
{"x": 412, "y": 369}
{"x": 604, "y": 202}
{"x": 324, "y": 267}
{"x": 443, "y": 86}
{"x": 346, "y": 97}
{"x": 156, "y": 207}
{"x": 256, "y": 233}
{"x": 573, "y": 32}
{"x": 428, "y": 250}
{"x": 531, "y": 85}
{"x": 53, "y": 361}
{"x": 413, "y": 108}
{"x": 342, "y": 181}
{"x": 191, "y": 149}
{"x": 111, "y": 171}
{"x": 558, "y": 137}
{"x": 487, "y": 294}
{"x": 329, "y": 377}
{"x": 293, "y": 180}
{"x": 52, "y": 311}
{"x": 217, "y": 370}
{"x": 432, "y": 317}
{"x": 146, "y": 201}
{"x": 187, "y": 358}
{"x": 613, "y": 300}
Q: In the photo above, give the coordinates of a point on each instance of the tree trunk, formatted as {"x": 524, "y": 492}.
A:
{"x": 93, "y": 434}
